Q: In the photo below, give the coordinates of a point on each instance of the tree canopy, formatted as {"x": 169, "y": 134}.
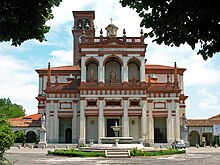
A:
{"x": 175, "y": 22}
{"x": 10, "y": 110}
{"x": 21, "y": 20}
{"x": 7, "y": 138}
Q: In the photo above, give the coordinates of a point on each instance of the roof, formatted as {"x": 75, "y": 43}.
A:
{"x": 77, "y": 67}
{"x": 216, "y": 117}
{"x": 161, "y": 69}
{"x": 203, "y": 122}
{"x": 62, "y": 68}
{"x": 26, "y": 121}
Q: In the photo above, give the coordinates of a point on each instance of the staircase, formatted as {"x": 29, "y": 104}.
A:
{"x": 117, "y": 153}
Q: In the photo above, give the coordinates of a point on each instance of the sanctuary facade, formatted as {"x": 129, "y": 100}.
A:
{"x": 110, "y": 83}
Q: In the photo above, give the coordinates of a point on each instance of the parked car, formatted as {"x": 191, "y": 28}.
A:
{"x": 179, "y": 144}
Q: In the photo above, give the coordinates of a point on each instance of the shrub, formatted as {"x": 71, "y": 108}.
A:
{"x": 137, "y": 152}
{"x": 77, "y": 153}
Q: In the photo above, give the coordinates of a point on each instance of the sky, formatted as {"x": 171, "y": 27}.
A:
{"x": 19, "y": 81}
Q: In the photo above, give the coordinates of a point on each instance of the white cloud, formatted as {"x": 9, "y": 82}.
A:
{"x": 198, "y": 71}
{"x": 208, "y": 101}
{"x": 61, "y": 57}
{"x": 18, "y": 82}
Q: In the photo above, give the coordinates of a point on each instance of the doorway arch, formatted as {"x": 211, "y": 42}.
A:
{"x": 68, "y": 135}
{"x": 194, "y": 138}
{"x": 31, "y": 137}
{"x": 208, "y": 138}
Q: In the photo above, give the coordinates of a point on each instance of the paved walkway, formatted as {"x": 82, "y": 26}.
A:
{"x": 194, "y": 156}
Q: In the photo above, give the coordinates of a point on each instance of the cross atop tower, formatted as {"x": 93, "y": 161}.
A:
{"x": 111, "y": 20}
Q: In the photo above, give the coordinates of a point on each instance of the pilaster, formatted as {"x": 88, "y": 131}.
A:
{"x": 125, "y": 125}
{"x": 47, "y": 117}
{"x": 82, "y": 121}
{"x": 151, "y": 121}
{"x": 101, "y": 119}
{"x": 169, "y": 122}
{"x": 144, "y": 118}
{"x": 74, "y": 122}
{"x": 177, "y": 120}
{"x": 56, "y": 122}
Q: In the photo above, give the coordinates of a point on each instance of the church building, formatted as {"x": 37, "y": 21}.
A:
{"x": 110, "y": 83}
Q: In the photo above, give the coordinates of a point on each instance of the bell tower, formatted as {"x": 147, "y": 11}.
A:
{"x": 83, "y": 26}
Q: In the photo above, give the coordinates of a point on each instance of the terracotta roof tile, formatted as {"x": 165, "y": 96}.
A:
{"x": 152, "y": 66}
{"x": 216, "y": 117}
{"x": 77, "y": 67}
{"x": 64, "y": 68}
{"x": 203, "y": 122}
{"x": 26, "y": 121}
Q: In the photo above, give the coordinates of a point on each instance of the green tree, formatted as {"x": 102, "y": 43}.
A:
{"x": 21, "y": 20}
{"x": 175, "y": 22}
{"x": 7, "y": 138}
{"x": 10, "y": 110}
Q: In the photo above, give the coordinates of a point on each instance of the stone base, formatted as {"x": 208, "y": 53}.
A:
{"x": 42, "y": 145}
{"x": 81, "y": 141}
{"x": 170, "y": 140}
{"x": 111, "y": 140}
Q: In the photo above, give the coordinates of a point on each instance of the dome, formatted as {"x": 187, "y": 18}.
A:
{"x": 111, "y": 30}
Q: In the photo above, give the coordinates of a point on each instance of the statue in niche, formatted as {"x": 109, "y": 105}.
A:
{"x": 134, "y": 77}
{"x": 92, "y": 75}
{"x": 43, "y": 123}
{"x": 183, "y": 121}
{"x": 112, "y": 75}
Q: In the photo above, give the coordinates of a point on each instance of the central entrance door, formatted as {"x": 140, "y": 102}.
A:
{"x": 68, "y": 135}
{"x": 111, "y": 122}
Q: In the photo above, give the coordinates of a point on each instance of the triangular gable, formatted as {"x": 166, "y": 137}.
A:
{"x": 112, "y": 41}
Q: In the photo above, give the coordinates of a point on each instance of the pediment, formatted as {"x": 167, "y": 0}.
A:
{"x": 112, "y": 41}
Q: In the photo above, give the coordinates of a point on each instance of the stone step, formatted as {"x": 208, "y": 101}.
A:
{"x": 117, "y": 154}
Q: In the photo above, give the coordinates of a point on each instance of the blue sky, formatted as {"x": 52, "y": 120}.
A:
{"x": 19, "y": 81}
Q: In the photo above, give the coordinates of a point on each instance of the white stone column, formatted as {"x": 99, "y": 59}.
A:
{"x": 124, "y": 70}
{"x": 40, "y": 85}
{"x": 177, "y": 120}
{"x": 56, "y": 122}
{"x": 144, "y": 118}
{"x": 151, "y": 121}
{"x": 142, "y": 70}
{"x": 101, "y": 71}
{"x": 169, "y": 122}
{"x": 125, "y": 124}
{"x": 101, "y": 120}
{"x": 74, "y": 121}
{"x": 181, "y": 84}
{"x": 82, "y": 121}
{"x": 83, "y": 70}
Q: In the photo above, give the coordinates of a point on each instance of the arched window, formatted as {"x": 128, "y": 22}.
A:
{"x": 86, "y": 24}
